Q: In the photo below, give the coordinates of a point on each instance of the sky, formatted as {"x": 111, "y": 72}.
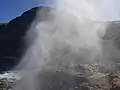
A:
{"x": 10, "y": 9}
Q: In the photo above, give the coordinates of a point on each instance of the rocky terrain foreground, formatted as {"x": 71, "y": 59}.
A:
{"x": 82, "y": 77}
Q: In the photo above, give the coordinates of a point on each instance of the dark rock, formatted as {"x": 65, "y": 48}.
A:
{"x": 61, "y": 81}
{"x": 2, "y": 27}
{"x": 113, "y": 33}
{"x": 12, "y": 44}
{"x": 117, "y": 88}
{"x": 111, "y": 46}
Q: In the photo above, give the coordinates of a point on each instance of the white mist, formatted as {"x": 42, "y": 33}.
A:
{"x": 69, "y": 35}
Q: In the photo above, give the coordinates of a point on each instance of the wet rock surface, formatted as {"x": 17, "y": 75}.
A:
{"x": 8, "y": 80}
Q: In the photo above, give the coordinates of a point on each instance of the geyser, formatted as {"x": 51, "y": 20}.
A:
{"x": 69, "y": 35}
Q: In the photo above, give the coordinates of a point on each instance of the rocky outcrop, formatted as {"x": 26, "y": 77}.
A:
{"x": 12, "y": 38}
{"x": 80, "y": 80}
{"x": 2, "y": 26}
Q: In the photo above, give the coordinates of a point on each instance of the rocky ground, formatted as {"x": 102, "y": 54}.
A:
{"x": 77, "y": 78}
{"x": 8, "y": 80}
{"x": 92, "y": 78}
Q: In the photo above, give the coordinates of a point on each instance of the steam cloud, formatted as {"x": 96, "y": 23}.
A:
{"x": 69, "y": 35}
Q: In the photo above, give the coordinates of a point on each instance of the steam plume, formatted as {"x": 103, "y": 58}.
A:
{"x": 70, "y": 34}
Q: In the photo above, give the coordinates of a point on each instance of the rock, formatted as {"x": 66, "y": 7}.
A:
{"x": 12, "y": 42}
{"x": 8, "y": 81}
{"x": 77, "y": 80}
{"x": 58, "y": 80}
{"x": 2, "y": 27}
